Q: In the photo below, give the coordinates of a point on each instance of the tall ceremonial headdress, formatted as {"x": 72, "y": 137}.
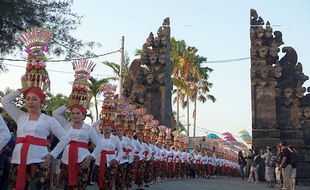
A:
{"x": 36, "y": 43}
{"x": 168, "y": 140}
{"x": 121, "y": 113}
{"x": 108, "y": 106}
{"x": 80, "y": 88}
{"x": 176, "y": 138}
{"x": 147, "y": 126}
{"x": 161, "y": 135}
{"x": 140, "y": 122}
{"x": 130, "y": 119}
{"x": 154, "y": 124}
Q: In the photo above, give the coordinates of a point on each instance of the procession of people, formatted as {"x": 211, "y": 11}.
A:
{"x": 125, "y": 146}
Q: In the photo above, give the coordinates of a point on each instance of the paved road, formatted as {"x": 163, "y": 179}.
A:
{"x": 202, "y": 184}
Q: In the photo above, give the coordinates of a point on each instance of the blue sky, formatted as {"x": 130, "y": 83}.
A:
{"x": 219, "y": 29}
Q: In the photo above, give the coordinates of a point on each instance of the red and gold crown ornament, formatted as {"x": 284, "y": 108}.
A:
{"x": 140, "y": 121}
{"x": 121, "y": 113}
{"x": 108, "y": 107}
{"x": 80, "y": 88}
{"x": 168, "y": 140}
{"x": 36, "y": 44}
{"x": 161, "y": 135}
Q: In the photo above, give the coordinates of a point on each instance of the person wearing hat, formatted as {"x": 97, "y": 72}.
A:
{"x": 148, "y": 155}
{"x": 127, "y": 147}
{"x": 169, "y": 154}
{"x": 133, "y": 155}
{"x": 197, "y": 160}
{"x": 269, "y": 167}
{"x": 76, "y": 157}
{"x": 161, "y": 154}
{"x": 176, "y": 156}
{"x": 140, "y": 161}
{"x": 154, "y": 152}
{"x": 110, "y": 154}
{"x": 33, "y": 127}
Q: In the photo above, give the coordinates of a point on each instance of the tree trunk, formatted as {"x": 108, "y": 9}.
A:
{"x": 187, "y": 121}
{"x": 195, "y": 113}
{"x": 96, "y": 107}
{"x": 178, "y": 109}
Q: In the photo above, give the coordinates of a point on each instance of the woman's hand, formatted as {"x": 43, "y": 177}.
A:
{"x": 47, "y": 161}
{"x": 25, "y": 89}
{"x": 85, "y": 164}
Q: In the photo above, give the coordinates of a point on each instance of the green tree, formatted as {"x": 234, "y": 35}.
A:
{"x": 53, "y": 102}
{"x": 116, "y": 67}
{"x": 189, "y": 77}
{"x": 95, "y": 90}
{"x": 18, "y": 15}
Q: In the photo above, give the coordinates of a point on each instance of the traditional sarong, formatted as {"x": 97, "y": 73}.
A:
{"x": 120, "y": 176}
{"x": 140, "y": 172}
{"x": 36, "y": 177}
{"x": 108, "y": 177}
{"x": 129, "y": 175}
{"x": 82, "y": 178}
{"x": 147, "y": 170}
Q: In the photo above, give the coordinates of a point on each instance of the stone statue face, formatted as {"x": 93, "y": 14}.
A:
{"x": 161, "y": 78}
{"x": 288, "y": 92}
{"x": 162, "y": 59}
{"x": 150, "y": 78}
{"x": 263, "y": 51}
{"x": 307, "y": 112}
{"x": 153, "y": 58}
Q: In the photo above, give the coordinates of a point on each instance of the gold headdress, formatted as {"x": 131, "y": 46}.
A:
{"x": 36, "y": 43}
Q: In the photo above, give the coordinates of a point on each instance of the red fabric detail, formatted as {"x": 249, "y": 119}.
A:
{"x": 145, "y": 153}
{"x": 103, "y": 160}
{"x": 127, "y": 150}
{"x": 175, "y": 162}
{"x": 79, "y": 107}
{"x": 197, "y": 164}
{"x": 73, "y": 165}
{"x": 38, "y": 92}
{"x": 21, "y": 173}
{"x": 136, "y": 168}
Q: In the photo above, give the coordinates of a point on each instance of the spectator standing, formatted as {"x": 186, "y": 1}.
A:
{"x": 269, "y": 166}
{"x": 293, "y": 154}
{"x": 286, "y": 166}
{"x": 242, "y": 163}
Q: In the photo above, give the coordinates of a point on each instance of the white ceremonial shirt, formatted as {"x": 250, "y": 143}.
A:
{"x": 184, "y": 157}
{"x": 177, "y": 155}
{"x": 148, "y": 149}
{"x": 158, "y": 155}
{"x": 153, "y": 150}
{"x": 127, "y": 144}
{"x": 205, "y": 159}
{"x": 84, "y": 134}
{"x": 5, "y": 135}
{"x": 163, "y": 153}
{"x": 169, "y": 155}
{"x": 111, "y": 144}
{"x": 139, "y": 149}
{"x": 40, "y": 128}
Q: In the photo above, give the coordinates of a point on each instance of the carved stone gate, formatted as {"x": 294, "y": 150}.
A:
{"x": 280, "y": 107}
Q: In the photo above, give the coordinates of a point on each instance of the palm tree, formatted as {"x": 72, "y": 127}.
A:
{"x": 200, "y": 87}
{"x": 95, "y": 90}
{"x": 190, "y": 78}
{"x": 116, "y": 67}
